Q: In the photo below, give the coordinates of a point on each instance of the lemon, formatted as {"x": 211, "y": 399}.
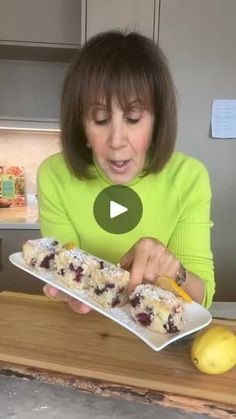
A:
{"x": 214, "y": 350}
{"x": 69, "y": 246}
{"x": 169, "y": 284}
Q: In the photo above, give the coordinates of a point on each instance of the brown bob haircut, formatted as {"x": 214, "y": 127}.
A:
{"x": 118, "y": 65}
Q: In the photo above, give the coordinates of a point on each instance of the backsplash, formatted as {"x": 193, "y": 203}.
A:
{"x": 27, "y": 149}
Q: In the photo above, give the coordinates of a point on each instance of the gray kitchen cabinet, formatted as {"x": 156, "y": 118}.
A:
{"x": 139, "y": 15}
{"x": 45, "y": 22}
{"x": 37, "y": 40}
{"x": 30, "y": 93}
{"x": 11, "y": 277}
{"x": 198, "y": 38}
{"x": 35, "y": 37}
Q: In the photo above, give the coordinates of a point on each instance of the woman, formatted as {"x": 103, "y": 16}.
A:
{"x": 118, "y": 126}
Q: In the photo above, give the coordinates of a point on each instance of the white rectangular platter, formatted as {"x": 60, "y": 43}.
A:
{"x": 195, "y": 316}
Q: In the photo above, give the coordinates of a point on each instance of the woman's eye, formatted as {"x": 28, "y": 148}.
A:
{"x": 101, "y": 121}
{"x": 100, "y": 116}
{"x": 133, "y": 116}
{"x": 132, "y": 120}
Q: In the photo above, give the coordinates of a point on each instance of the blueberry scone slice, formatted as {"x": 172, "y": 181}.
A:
{"x": 40, "y": 254}
{"x": 75, "y": 268}
{"x": 157, "y": 309}
{"x": 108, "y": 287}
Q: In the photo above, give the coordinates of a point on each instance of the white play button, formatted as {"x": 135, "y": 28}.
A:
{"x": 116, "y": 209}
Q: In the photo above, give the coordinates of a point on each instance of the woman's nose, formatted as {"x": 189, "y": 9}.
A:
{"x": 117, "y": 137}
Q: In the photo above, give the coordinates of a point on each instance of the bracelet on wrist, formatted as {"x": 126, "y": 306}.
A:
{"x": 181, "y": 276}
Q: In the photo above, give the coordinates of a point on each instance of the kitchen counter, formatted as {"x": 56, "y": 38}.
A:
{"x": 94, "y": 354}
{"x": 19, "y": 218}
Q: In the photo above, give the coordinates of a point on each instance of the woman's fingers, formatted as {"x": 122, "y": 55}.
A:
{"x": 139, "y": 262}
{"x": 170, "y": 266}
{"x": 126, "y": 260}
{"x": 147, "y": 260}
{"x": 53, "y": 292}
{"x": 79, "y": 307}
{"x": 76, "y": 305}
{"x": 162, "y": 263}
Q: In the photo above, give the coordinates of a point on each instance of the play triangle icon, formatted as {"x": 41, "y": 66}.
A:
{"x": 116, "y": 209}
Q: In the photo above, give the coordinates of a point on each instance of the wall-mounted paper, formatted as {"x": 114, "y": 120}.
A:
{"x": 223, "y": 118}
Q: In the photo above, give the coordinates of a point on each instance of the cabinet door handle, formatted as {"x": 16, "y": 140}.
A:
{"x": 0, "y": 253}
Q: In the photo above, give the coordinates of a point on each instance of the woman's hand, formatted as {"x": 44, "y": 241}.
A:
{"x": 56, "y": 294}
{"x": 147, "y": 260}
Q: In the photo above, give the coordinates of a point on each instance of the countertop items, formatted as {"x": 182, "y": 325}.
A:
{"x": 5, "y": 203}
{"x": 95, "y": 354}
{"x": 223, "y": 310}
{"x": 19, "y": 217}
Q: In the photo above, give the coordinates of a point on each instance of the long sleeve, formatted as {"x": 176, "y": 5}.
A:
{"x": 54, "y": 220}
{"x": 190, "y": 240}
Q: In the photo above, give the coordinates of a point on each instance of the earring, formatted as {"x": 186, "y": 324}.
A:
{"x": 88, "y": 145}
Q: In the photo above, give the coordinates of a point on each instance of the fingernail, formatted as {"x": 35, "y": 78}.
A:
{"x": 83, "y": 308}
{"x": 45, "y": 290}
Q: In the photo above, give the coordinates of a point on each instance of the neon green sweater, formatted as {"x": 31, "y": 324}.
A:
{"x": 176, "y": 211}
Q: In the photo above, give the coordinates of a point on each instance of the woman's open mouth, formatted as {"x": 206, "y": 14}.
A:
{"x": 119, "y": 166}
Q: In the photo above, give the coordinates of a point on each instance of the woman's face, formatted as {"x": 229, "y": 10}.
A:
{"x": 119, "y": 139}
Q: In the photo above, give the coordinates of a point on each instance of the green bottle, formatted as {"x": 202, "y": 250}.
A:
{"x": 8, "y": 186}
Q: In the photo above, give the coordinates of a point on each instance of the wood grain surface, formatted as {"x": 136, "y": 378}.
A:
{"x": 39, "y": 333}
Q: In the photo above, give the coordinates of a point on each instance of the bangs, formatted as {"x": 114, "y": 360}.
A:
{"x": 123, "y": 83}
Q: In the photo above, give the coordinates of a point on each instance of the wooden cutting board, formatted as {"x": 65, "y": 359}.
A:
{"x": 41, "y": 333}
